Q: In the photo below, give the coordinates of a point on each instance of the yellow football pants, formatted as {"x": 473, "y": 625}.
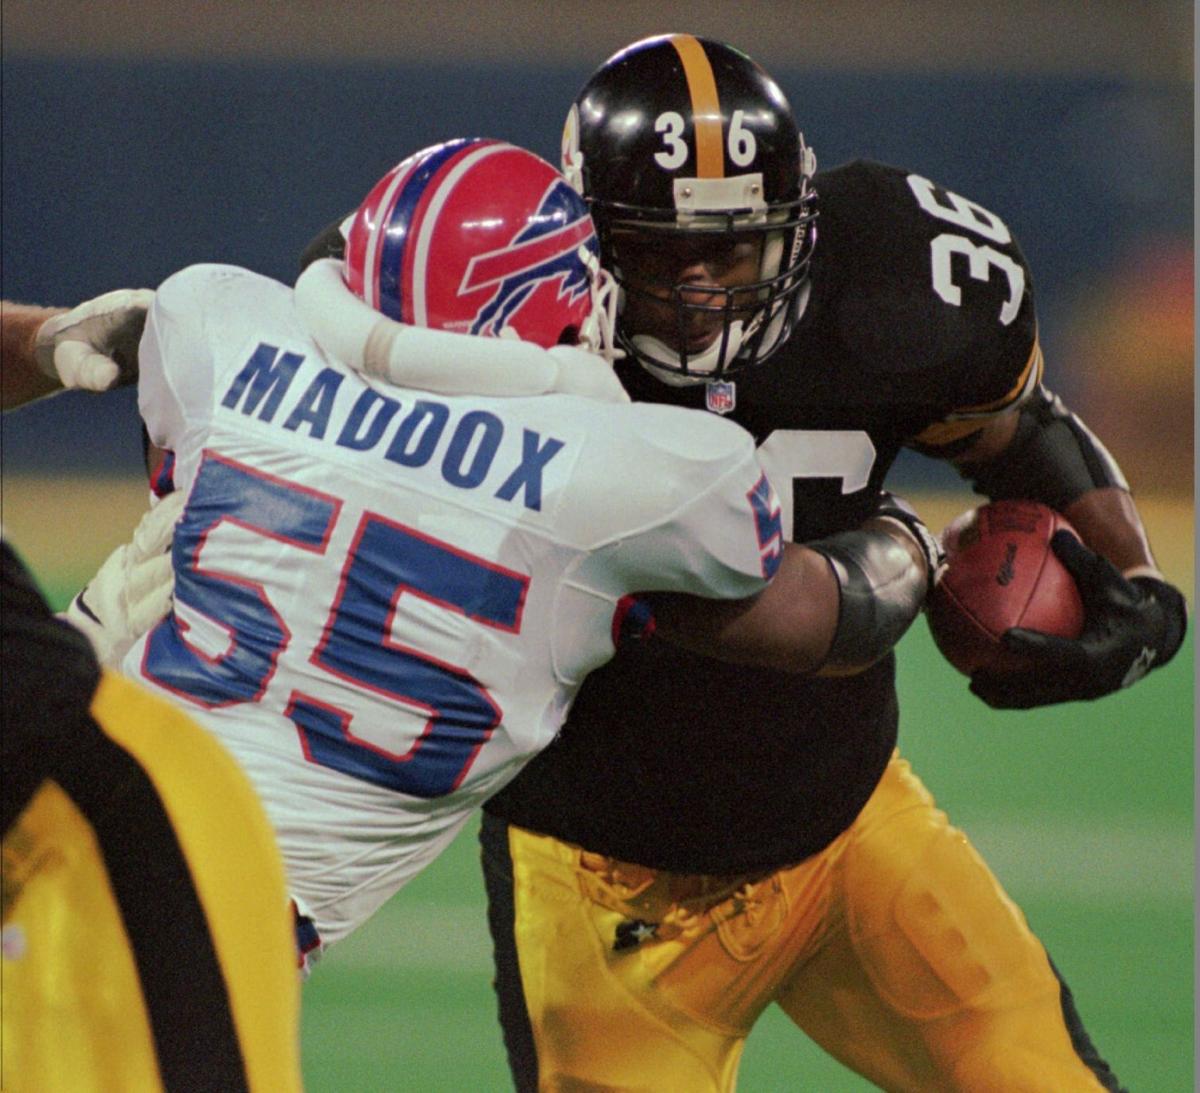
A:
{"x": 895, "y": 949}
{"x": 84, "y": 992}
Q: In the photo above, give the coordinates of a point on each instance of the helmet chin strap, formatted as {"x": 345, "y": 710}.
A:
{"x": 599, "y": 331}
{"x": 662, "y": 362}
{"x": 775, "y": 327}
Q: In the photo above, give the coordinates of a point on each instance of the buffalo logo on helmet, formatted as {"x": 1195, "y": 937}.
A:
{"x": 543, "y": 254}
{"x": 475, "y": 237}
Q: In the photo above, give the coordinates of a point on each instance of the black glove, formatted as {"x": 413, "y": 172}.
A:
{"x": 1130, "y": 627}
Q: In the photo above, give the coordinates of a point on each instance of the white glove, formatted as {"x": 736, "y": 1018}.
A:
{"x": 94, "y": 345}
{"x": 133, "y": 589}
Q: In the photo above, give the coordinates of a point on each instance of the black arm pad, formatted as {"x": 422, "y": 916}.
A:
{"x": 882, "y": 590}
{"x": 1053, "y": 458}
{"x": 897, "y": 508}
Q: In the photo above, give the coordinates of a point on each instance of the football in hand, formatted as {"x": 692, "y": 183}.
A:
{"x": 1001, "y": 572}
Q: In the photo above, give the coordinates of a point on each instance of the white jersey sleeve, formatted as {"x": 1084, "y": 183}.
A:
{"x": 169, "y": 394}
{"x": 700, "y": 514}
{"x": 684, "y": 507}
{"x": 204, "y": 322}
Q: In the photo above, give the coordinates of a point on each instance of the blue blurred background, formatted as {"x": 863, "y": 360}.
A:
{"x": 142, "y": 137}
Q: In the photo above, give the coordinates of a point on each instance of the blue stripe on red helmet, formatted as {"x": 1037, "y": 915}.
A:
{"x": 399, "y": 225}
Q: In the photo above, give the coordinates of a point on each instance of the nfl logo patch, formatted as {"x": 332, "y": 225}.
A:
{"x": 720, "y": 398}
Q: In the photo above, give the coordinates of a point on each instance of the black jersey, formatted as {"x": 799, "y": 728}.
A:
{"x": 48, "y": 674}
{"x": 919, "y": 324}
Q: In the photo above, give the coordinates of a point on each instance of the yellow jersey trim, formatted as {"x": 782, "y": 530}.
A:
{"x": 969, "y": 419}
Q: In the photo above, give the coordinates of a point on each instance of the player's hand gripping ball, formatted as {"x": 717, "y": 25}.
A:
{"x": 1001, "y": 572}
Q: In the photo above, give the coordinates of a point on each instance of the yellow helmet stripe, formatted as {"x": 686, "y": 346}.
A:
{"x": 706, "y": 106}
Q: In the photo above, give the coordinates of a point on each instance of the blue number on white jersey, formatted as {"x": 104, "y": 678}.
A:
{"x": 388, "y": 560}
{"x": 385, "y": 561}
{"x": 226, "y": 491}
{"x": 768, "y": 524}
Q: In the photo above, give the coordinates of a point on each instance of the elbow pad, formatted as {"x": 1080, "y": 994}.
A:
{"x": 881, "y": 592}
{"x": 1053, "y": 458}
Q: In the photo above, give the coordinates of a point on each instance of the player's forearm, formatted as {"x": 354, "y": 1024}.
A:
{"x": 789, "y": 626}
{"x": 1107, "y": 520}
{"x": 834, "y": 608}
{"x": 1043, "y": 452}
{"x": 21, "y": 380}
{"x": 883, "y": 572}
{"x": 1039, "y": 452}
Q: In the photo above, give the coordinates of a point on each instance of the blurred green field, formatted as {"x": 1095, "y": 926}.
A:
{"x": 1085, "y": 812}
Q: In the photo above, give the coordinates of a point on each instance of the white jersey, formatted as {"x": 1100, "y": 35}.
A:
{"x": 385, "y": 601}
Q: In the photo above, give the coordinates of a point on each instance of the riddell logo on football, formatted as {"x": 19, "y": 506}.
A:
{"x": 1006, "y": 571}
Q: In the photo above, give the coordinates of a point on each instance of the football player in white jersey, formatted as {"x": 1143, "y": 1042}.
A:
{"x": 386, "y": 599}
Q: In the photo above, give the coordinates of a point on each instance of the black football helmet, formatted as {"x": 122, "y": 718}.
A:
{"x": 684, "y": 145}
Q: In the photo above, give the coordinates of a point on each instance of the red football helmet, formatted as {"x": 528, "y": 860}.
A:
{"x": 477, "y": 237}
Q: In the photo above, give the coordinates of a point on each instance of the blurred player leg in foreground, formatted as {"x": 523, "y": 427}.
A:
{"x": 146, "y": 943}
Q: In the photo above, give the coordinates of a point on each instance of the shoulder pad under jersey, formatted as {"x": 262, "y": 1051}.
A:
{"x": 672, "y": 499}
{"x": 925, "y": 286}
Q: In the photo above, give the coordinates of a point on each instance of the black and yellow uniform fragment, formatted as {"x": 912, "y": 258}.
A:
{"x": 146, "y": 940}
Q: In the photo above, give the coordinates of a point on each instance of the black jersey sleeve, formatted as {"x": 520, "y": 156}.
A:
{"x": 49, "y": 668}
{"x": 48, "y": 674}
{"x": 930, "y": 290}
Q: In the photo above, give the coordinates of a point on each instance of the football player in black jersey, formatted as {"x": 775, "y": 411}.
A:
{"x": 651, "y": 889}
